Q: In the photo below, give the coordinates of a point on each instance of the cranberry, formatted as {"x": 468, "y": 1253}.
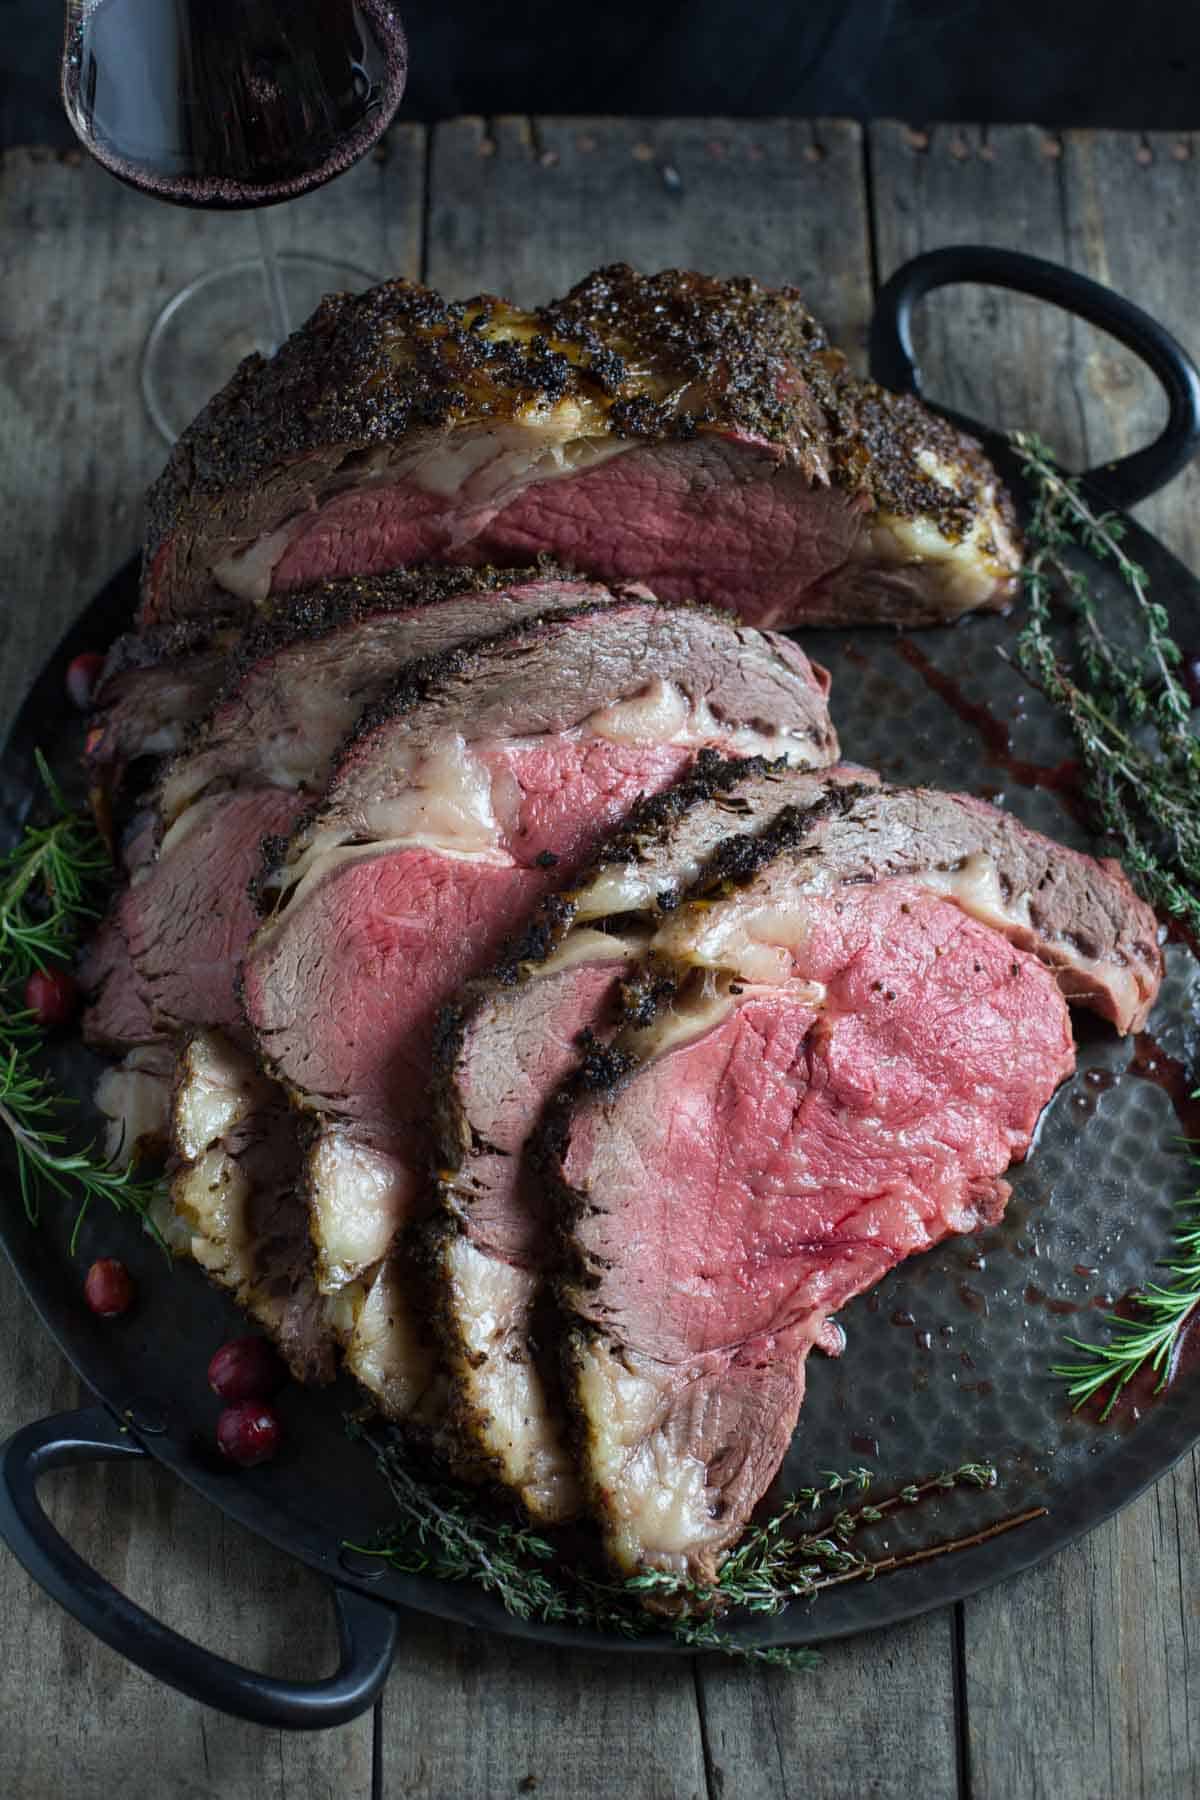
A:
{"x": 82, "y": 675}
{"x": 108, "y": 1289}
{"x": 249, "y": 1434}
{"x": 51, "y": 996}
{"x": 246, "y": 1369}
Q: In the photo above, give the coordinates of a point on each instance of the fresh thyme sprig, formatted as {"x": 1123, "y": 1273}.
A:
{"x": 50, "y": 883}
{"x": 1127, "y": 708}
{"x": 443, "y": 1533}
{"x": 1150, "y": 1336}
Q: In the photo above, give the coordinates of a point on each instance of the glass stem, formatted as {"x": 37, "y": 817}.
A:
{"x": 272, "y": 278}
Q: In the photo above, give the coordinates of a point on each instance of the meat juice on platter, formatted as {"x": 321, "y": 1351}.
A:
{"x": 231, "y": 103}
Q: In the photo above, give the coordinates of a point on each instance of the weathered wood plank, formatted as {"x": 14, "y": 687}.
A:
{"x": 83, "y": 1721}
{"x": 525, "y": 207}
{"x": 1081, "y": 1675}
{"x": 1103, "y": 202}
{"x": 994, "y": 356}
{"x": 1130, "y": 206}
{"x": 877, "y": 1718}
{"x": 84, "y": 265}
{"x": 468, "y": 1714}
{"x": 1078, "y": 1676}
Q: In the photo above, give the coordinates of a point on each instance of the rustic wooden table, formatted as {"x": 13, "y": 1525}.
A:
{"x": 1073, "y": 1681}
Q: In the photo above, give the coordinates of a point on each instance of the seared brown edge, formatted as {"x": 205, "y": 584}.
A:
{"x": 739, "y": 347}
{"x": 421, "y": 679}
{"x": 650, "y": 823}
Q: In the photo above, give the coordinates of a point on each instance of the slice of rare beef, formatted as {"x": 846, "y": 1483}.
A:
{"x": 504, "y": 1046}
{"x": 482, "y": 782}
{"x": 700, "y": 435}
{"x": 830, "y": 1065}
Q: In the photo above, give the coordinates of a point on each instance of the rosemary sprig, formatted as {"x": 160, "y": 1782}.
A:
{"x": 48, "y": 886}
{"x": 1149, "y": 1337}
{"x": 29, "y": 1108}
{"x": 1127, "y": 708}
{"x": 50, "y": 883}
{"x": 443, "y": 1533}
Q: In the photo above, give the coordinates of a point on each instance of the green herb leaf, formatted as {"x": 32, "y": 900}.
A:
{"x": 1127, "y": 709}
{"x": 1150, "y": 1335}
{"x": 443, "y": 1533}
{"x": 51, "y": 887}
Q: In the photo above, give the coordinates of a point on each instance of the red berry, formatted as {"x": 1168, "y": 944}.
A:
{"x": 249, "y": 1434}
{"x": 82, "y": 675}
{"x": 246, "y": 1369}
{"x": 108, "y": 1289}
{"x": 51, "y": 996}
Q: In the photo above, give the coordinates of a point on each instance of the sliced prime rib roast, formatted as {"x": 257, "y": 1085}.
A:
{"x": 503, "y": 1047}
{"x": 296, "y": 683}
{"x": 165, "y": 960}
{"x": 831, "y": 1060}
{"x": 697, "y": 434}
{"x": 479, "y": 784}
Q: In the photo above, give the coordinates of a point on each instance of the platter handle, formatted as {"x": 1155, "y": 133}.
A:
{"x": 1119, "y": 484}
{"x": 367, "y": 1629}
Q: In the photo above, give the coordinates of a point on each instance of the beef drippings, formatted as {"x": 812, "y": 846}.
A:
{"x": 1150, "y": 1062}
{"x": 1062, "y": 778}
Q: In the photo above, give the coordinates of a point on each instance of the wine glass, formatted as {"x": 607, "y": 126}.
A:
{"x": 231, "y": 104}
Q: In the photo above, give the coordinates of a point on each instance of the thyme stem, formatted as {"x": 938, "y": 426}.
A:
{"x": 1127, "y": 709}
{"x": 443, "y": 1533}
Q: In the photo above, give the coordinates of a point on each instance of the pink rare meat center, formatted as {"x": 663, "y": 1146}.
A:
{"x": 764, "y": 1173}
{"x": 384, "y": 939}
{"x": 721, "y": 521}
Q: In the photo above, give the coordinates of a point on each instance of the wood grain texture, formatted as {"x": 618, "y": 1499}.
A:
{"x": 1110, "y": 204}
{"x": 84, "y": 265}
{"x": 473, "y": 1715}
{"x": 80, "y": 1720}
{"x": 1080, "y": 1677}
{"x": 526, "y": 207}
{"x": 1131, "y": 205}
{"x": 878, "y": 1718}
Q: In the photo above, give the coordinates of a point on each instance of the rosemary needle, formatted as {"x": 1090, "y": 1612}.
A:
{"x": 50, "y": 883}
{"x": 1150, "y": 1335}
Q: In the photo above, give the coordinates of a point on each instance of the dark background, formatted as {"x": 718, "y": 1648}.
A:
{"x": 1058, "y": 62}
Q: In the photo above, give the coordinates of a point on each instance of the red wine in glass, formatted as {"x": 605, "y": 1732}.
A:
{"x": 231, "y": 104}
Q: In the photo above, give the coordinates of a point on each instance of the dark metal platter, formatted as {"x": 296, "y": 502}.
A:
{"x": 946, "y": 1361}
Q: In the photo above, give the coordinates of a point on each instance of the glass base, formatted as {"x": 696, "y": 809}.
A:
{"x": 204, "y": 331}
